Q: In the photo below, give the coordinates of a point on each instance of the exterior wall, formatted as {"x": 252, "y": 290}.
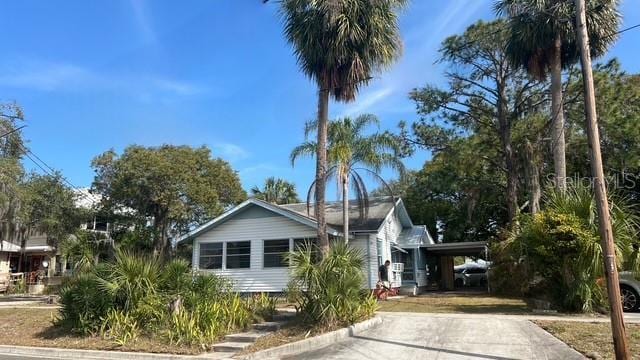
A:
{"x": 256, "y": 225}
{"x": 366, "y": 243}
{"x": 391, "y": 229}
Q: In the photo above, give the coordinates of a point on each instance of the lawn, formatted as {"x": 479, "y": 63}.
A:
{"x": 34, "y": 327}
{"x": 592, "y": 339}
{"x": 456, "y": 303}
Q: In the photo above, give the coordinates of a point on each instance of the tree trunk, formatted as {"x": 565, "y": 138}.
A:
{"x": 533, "y": 178}
{"x": 345, "y": 207}
{"x": 321, "y": 167}
{"x": 509, "y": 155}
{"x": 557, "y": 118}
{"x": 606, "y": 233}
{"x": 161, "y": 239}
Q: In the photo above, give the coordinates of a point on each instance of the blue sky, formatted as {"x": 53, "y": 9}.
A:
{"x": 101, "y": 74}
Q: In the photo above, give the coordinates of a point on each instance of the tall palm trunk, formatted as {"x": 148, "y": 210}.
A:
{"x": 321, "y": 167}
{"x": 345, "y": 207}
{"x": 557, "y": 118}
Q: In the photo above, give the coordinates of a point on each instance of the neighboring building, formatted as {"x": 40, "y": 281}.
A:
{"x": 38, "y": 251}
{"x": 247, "y": 243}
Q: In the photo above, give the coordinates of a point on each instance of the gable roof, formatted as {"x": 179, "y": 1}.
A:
{"x": 379, "y": 209}
{"x": 301, "y": 218}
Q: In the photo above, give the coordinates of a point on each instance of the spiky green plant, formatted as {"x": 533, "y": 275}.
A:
{"x": 340, "y": 45}
{"x": 332, "y": 288}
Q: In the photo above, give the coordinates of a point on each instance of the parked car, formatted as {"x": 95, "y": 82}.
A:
{"x": 629, "y": 291}
{"x": 470, "y": 276}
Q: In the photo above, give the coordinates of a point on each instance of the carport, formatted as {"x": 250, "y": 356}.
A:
{"x": 445, "y": 252}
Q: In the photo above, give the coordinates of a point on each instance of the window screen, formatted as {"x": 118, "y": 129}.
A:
{"x": 239, "y": 255}
{"x": 274, "y": 252}
{"x": 211, "y": 256}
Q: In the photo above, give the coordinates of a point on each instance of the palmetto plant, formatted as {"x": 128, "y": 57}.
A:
{"x": 350, "y": 151}
{"x": 332, "y": 287}
{"x": 277, "y": 191}
{"x": 543, "y": 41}
{"x": 339, "y": 44}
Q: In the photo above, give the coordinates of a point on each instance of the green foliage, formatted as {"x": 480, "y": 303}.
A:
{"x": 535, "y": 24}
{"x": 332, "y": 292}
{"x": 83, "y": 248}
{"x": 137, "y": 295}
{"x": 83, "y": 303}
{"x": 341, "y": 44}
{"x": 262, "y": 306}
{"x": 472, "y": 184}
{"x": 176, "y": 186}
{"x": 556, "y": 253}
{"x": 120, "y": 326}
{"x": 351, "y": 153}
{"x": 277, "y": 191}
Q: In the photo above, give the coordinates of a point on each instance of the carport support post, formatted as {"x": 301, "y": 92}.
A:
{"x": 486, "y": 259}
{"x": 620, "y": 344}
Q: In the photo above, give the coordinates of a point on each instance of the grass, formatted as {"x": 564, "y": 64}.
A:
{"x": 34, "y": 327}
{"x": 592, "y": 339}
{"x": 456, "y": 303}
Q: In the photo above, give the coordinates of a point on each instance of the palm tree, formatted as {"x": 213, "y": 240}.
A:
{"x": 543, "y": 41}
{"x": 339, "y": 44}
{"x": 348, "y": 147}
{"x": 277, "y": 191}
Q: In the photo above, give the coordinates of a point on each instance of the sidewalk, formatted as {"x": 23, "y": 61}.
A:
{"x": 628, "y": 317}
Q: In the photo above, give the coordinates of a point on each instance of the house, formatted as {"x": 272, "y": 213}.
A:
{"x": 247, "y": 243}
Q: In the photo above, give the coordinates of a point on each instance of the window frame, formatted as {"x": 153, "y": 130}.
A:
{"x": 284, "y": 263}
{"x": 226, "y": 255}
{"x": 222, "y": 257}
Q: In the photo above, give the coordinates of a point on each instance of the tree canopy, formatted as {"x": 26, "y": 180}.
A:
{"x": 176, "y": 187}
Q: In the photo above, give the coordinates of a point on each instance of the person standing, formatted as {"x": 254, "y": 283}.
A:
{"x": 383, "y": 274}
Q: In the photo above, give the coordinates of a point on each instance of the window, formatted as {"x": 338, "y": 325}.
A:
{"x": 211, "y": 256}
{"x": 274, "y": 251}
{"x": 379, "y": 250}
{"x": 239, "y": 255}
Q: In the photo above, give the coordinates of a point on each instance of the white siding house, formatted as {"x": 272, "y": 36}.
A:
{"x": 247, "y": 243}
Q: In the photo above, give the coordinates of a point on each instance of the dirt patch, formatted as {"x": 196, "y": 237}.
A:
{"x": 34, "y": 327}
{"x": 591, "y": 339}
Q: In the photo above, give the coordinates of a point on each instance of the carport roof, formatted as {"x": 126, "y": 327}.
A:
{"x": 469, "y": 248}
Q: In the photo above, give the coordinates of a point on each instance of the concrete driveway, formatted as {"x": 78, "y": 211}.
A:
{"x": 421, "y": 336}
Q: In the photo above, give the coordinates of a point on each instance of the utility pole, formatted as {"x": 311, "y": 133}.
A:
{"x": 606, "y": 234}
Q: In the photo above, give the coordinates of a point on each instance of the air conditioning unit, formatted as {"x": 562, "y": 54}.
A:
{"x": 396, "y": 274}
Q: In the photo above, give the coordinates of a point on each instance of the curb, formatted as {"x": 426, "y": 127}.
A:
{"x": 59, "y": 353}
{"x": 314, "y": 343}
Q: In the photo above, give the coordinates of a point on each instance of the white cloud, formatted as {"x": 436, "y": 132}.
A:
{"x": 367, "y": 101}
{"x": 143, "y": 20}
{"x": 231, "y": 152}
{"x": 56, "y": 76}
{"x": 44, "y": 76}
{"x": 177, "y": 87}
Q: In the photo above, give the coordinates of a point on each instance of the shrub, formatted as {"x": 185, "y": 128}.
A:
{"x": 332, "y": 292}
{"x": 136, "y": 295}
{"x": 556, "y": 253}
{"x": 83, "y": 303}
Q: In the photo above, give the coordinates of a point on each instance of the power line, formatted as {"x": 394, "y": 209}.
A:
{"x": 12, "y": 131}
{"x": 52, "y": 172}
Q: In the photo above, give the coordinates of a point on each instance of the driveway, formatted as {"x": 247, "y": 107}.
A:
{"x": 421, "y": 336}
